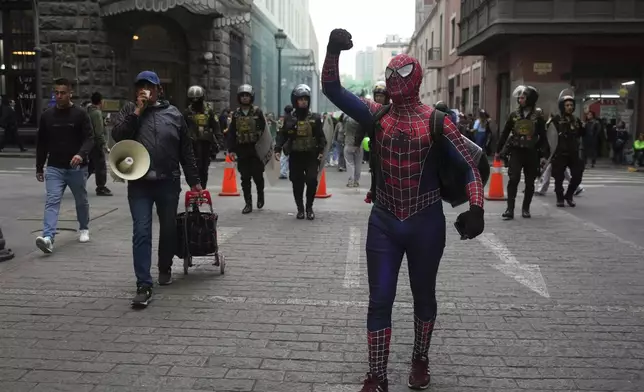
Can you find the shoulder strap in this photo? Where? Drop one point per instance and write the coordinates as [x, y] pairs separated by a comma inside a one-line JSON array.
[[436, 123], [384, 109]]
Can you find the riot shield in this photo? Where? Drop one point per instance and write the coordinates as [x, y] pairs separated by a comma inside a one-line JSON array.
[[552, 136], [264, 149], [328, 129]]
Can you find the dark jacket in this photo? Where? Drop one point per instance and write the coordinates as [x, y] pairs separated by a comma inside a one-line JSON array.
[[163, 132], [62, 134]]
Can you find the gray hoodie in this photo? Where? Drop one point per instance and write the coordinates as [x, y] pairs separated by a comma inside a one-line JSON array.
[[351, 129]]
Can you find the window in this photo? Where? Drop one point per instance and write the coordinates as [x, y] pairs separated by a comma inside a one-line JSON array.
[[17, 63], [452, 38], [465, 94], [476, 91]]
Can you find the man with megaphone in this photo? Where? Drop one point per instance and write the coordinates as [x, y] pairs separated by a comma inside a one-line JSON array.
[[154, 176]]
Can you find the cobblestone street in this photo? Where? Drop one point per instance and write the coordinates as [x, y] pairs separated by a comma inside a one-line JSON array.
[[553, 303]]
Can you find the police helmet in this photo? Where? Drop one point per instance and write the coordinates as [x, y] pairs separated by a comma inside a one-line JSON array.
[[245, 89], [381, 88], [196, 92], [301, 90], [530, 93], [566, 95]]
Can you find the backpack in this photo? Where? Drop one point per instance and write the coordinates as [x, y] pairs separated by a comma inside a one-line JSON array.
[[452, 178]]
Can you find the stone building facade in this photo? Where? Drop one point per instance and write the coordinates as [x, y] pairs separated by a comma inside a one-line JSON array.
[[100, 45]]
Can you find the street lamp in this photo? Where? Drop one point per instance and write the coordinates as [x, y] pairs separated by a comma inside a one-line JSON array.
[[280, 42]]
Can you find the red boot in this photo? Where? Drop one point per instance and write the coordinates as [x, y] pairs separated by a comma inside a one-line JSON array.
[[378, 342]]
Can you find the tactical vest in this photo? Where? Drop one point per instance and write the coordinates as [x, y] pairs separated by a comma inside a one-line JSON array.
[[569, 131], [246, 127], [302, 135], [524, 133]]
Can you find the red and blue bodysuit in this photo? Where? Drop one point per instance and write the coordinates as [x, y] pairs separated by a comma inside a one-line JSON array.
[[407, 217]]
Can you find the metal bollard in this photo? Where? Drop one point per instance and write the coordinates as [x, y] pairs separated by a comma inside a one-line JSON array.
[[5, 254]]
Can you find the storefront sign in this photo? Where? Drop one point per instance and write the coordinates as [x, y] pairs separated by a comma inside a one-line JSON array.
[[111, 105], [542, 68]]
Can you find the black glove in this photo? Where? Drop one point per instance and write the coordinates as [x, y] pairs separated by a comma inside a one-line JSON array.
[[339, 40], [470, 223]]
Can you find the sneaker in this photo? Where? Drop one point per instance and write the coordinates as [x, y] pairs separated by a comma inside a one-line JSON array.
[[419, 374], [579, 191], [142, 297], [45, 244], [165, 278], [371, 384], [84, 236], [103, 191]]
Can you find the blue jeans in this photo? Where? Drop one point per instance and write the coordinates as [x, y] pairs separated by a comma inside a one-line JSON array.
[[142, 195], [56, 181], [284, 165], [422, 239]]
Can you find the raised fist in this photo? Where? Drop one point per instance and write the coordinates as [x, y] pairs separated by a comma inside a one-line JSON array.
[[339, 40]]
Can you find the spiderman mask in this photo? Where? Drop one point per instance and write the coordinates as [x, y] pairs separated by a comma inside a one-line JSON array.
[[403, 77]]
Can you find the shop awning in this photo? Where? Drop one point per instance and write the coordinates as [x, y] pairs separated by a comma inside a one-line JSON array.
[[198, 7]]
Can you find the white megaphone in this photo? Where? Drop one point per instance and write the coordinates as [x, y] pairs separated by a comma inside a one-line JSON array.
[[129, 160]]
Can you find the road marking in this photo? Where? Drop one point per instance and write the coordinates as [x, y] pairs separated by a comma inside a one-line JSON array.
[[595, 228], [352, 266], [528, 275]]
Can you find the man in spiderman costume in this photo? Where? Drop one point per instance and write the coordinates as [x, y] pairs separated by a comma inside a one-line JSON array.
[[407, 217]]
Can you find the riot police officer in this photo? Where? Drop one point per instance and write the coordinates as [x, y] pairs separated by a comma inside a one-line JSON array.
[[566, 155], [302, 139], [246, 128], [204, 130], [380, 94], [526, 130]]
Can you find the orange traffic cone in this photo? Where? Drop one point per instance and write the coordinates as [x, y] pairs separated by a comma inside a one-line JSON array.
[[495, 191], [229, 183], [321, 192]]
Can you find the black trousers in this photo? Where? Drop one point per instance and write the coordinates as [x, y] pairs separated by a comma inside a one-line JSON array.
[[11, 135], [98, 166], [559, 165], [202, 150], [303, 170], [526, 160], [251, 167], [590, 152]]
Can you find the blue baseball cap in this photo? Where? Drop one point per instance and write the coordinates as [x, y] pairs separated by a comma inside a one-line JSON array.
[[148, 76]]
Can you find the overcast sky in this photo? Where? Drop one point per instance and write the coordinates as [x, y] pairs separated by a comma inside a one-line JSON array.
[[368, 21]]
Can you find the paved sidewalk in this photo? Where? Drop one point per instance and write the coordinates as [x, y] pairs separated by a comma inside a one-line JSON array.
[[519, 310]]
